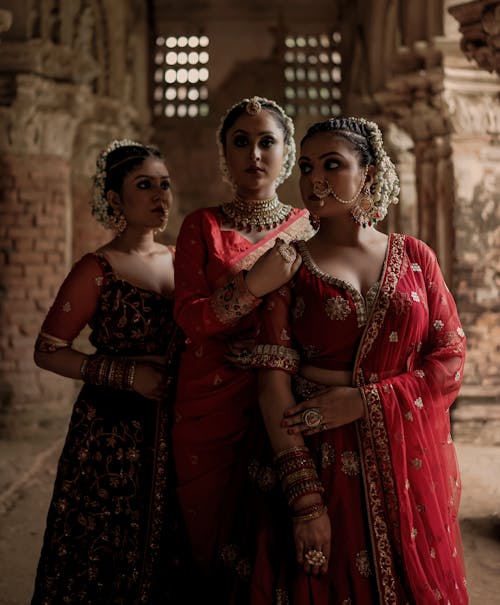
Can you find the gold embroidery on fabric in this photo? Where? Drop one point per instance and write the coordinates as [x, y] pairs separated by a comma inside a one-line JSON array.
[[350, 463], [379, 488], [298, 307], [275, 356], [231, 556], [357, 297], [281, 597], [363, 563], [393, 263], [284, 335], [45, 343], [310, 351], [233, 300], [263, 476], [327, 455], [371, 297], [337, 308], [66, 307]]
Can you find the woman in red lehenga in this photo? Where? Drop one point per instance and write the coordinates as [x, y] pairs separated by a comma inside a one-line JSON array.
[[219, 288], [107, 540], [362, 356]]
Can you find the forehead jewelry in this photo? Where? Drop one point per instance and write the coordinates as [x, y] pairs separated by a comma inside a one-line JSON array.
[[253, 106]]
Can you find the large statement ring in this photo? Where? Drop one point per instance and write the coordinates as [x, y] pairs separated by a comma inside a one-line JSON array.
[[312, 418], [287, 252], [314, 557]]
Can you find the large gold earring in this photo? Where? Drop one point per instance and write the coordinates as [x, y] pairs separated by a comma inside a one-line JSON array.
[[119, 223], [364, 212]]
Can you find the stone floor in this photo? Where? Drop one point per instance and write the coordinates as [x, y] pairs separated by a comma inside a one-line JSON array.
[[27, 472]]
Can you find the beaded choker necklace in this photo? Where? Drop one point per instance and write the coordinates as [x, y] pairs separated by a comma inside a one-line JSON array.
[[249, 215]]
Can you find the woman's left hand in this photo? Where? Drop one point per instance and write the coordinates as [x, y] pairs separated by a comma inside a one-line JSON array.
[[333, 407]]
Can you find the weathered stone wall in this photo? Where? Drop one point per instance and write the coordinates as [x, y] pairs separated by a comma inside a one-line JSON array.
[[73, 76], [34, 205]]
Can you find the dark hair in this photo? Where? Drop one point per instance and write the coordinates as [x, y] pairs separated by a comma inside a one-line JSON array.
[[238, 110], [350, 129], [123, 160]]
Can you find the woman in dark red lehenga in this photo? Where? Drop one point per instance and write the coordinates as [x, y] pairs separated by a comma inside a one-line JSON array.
[[362, 355], [227, 259], [108, 539]]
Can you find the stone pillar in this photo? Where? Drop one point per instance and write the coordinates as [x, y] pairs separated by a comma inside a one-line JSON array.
[[472, 99], [452, 112], [413, 102]]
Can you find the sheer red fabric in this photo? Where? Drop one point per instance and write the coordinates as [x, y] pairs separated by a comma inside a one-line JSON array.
[[77, 299], [407, 351], [215, 398]]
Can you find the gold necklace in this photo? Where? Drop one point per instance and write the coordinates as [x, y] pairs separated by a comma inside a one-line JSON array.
[[248, 215]]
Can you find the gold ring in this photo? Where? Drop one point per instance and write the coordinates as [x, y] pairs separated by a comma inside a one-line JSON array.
[[287, 252], [312, 418], [314, 557]]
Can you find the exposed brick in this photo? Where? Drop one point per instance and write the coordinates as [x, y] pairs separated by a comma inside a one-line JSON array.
[[27, 258]]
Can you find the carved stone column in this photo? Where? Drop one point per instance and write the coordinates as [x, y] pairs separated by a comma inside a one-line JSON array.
[[412, 101], [472, 97], [480, 29]]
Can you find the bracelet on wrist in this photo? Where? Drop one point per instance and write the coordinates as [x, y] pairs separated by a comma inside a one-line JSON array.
[[107, 371]]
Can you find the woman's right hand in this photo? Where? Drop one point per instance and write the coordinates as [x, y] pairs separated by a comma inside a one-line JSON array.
[[314, 534], [150, 380], [273, 269]]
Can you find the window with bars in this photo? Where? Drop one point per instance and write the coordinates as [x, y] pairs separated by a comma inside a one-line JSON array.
[[313, 74], [180, 76]]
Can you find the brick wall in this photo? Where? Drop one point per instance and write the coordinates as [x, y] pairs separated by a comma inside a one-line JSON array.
[[34, 196]]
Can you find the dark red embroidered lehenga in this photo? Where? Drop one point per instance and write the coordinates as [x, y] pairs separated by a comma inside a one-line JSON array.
[[391, 480], [108, 539]]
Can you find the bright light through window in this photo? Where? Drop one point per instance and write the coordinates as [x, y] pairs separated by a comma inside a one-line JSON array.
[[313, 74], [180, 76]]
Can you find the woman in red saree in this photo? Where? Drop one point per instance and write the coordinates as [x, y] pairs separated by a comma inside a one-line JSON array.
[[108, 539], [361, 357], [220, 285]]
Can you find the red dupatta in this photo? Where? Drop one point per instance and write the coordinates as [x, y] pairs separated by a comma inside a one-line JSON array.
[[409, 367]]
